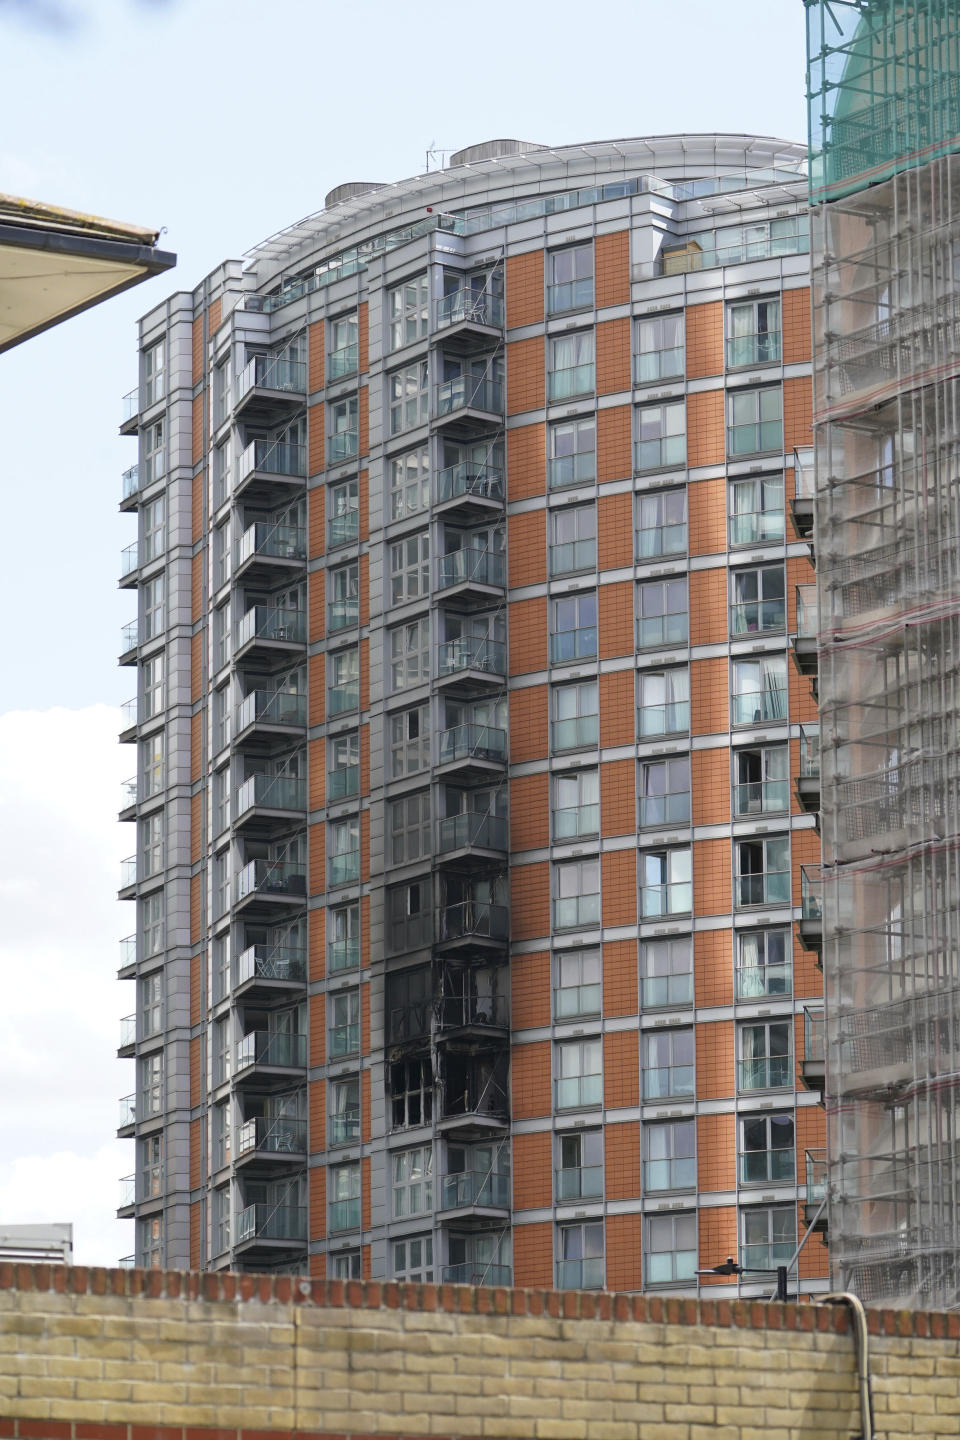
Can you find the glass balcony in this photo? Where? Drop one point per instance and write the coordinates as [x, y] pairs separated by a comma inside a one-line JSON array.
[[671, 899], [343, 954], [343, 1040], [477, 307], [273, 1222], [816, 1174], [341, 698], [343, 529], [128, 793], [472, 563], [273, 457], [665, 719], [766, 1257], [129, 482], [128, 951], [130, 406], [271, 877], [128, 1111], [757, 527], [343, 613], [768, 1167], [272, 707], [342, 362], [127, 1262], [654, 365], [128, 713], [758, 796], [272, 372], [754, 438], [263, 1047], [344, 1127], [811, 886], [809, 752], [576, 912], [343, 782], [570, 295], [680, 1174], [668, 453], [657, 630], [579, 469], [128, 1191], [129, 559], [343, 869], [281, 962], [807, 612], [581, 1183], [344, 1214], [573, 555], [813, 1035], [273, 792], [667, 1080], [475, 1187], [772, 1072], [578, 733], [128, 1031], [128, 872], [580, 1274], [472, 918], [477, 1272], [661, 992], [756, 982], [473, 829], [129, 637], [262, 622], [342, 446], [766, 887], [472, 652], [473, 742], [576, 820], [659, 540], [762, 348], [758, 707], [470, 392], [573, 380], [274, 1136], [483, 481], [576, 1091], [278, 542], [758, 616], [672, 809]]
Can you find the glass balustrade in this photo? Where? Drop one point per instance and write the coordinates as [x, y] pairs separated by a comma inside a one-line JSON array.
[[261, 962], [474, 828], [472, 742], [470, 392], [273, 792], [472, 653], [475, 1187], [272, 1222], [466, 478], [484, 567], [264, 1047]]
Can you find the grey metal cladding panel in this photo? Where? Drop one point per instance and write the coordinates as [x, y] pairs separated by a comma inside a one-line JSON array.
[[179, 493]]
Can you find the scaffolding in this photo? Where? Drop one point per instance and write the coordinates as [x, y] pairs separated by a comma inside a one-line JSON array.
[[885, 184]]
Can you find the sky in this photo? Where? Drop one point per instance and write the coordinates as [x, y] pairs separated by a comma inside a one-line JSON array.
[[223, 121]]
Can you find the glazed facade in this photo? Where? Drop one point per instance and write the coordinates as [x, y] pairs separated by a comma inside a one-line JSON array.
[[475, 732]]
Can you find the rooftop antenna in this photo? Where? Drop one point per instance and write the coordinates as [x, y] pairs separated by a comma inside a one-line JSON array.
[[437, 155]]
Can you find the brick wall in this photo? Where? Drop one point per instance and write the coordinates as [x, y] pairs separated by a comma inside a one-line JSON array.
[[136, 1355]]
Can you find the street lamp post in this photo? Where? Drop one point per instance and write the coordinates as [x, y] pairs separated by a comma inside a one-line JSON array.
[[730, 1267]]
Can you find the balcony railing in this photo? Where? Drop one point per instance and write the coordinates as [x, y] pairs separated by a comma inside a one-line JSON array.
[[571, 1001], [573, 555], [671, 809], [470, 392], [811, 892], [816, 1173], [128, 1030], [128, 871], [343, 613], [343, 1040], [568, 646], [758, 616], [460, 1012], [344, 1127], [263, 622], [276, 1137], [679, 1174], [474, 918], [755, 982], [804, 475], [128, 713], [475, 829], [759, 707], [466, 478], [665, 719], [477, 1272], [471, 652], [813, 1034], [583, 1182], [771, 1072], [765, 887], [343, 869], [473, 742], [128, 951], [760, 348], [129, 636], [341, 698], [767, 1257], [657, 630], [343, 361], [274, 792], [129, 406], [580, 1274], [768, 1167], [475, 1187], [754, 438], [273, 457], [128, 793], [280, 542], [272, 372], [570, 295], [756, 527], [577, 733], [263, 1047], [809, 753], [129, 559], [344, 528], [576, 912], [272, 707], [578, 469], [755, 797], [344, 1214], [343, 782], [654, 365], [273, 1222], [572, 821], [128, 1111], [271, 877], [572, 380], [343, 954], [343, 445], [473, 562], [128, 1191], [130, 482], [667, 453], [658, 540], [807, 612], [478, 307], [261, 962]]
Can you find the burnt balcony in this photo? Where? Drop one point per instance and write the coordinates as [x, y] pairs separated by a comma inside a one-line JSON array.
[[270, 470], [813, 1066], [473, 1095], [469, 751], [270, 386], [267, 633], [270, 972], [473, 834], [808, 781], [801, 506], [409, 1023], [804, 641], [811, 908], [472, 663], [268, 716], [270, 1231], [267, 552], [268, 802], [473, 925], [473, 573], [475, 1190], [272, 1143], [264, 1058], [470, 490], [271, 884], [477, 1018], [469, 403]]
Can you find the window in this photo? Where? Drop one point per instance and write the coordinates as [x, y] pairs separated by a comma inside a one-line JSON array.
[[343, 1030], [344, 607], [344, 1111], [409, 742], [670, 1252], [151, 1167], [221, 718], [572, 370], [343, 347], [576, 804], [409, 828], [344, 1197], [151, 1004], [663, 613], [767, 1154], [343, 946], [221, 1220], [408, 397], [151, 846], [661, 436], [346, 1265], [575, 721], [343, 683], [154, 374], [221, 393], [151, 1086], [664, 702], [222, 1052], [573, 539], [580, 1266], [666, 968], [344, 862], [753, 333], [580, 1172], [411, 1093], [665, 883], [344, 430], [152, 532], [570, 284], [757, 602], [669, 1156], [151, 687], [754, 421], [409, 647], [573, 628], [408, 312], [409, 1004], [764, 964], [761, 781], [409, 479], [765, 1056], [343, 773], [221, 967], [579, 984], [665, 792], [151, 922], [409, 915], [577, 900], [222, 1135], [150, 1243], [343, 502], [154, 455], [763, 871], [756, 510], [152, 766], [579, 1074], [221, 636], [660, 349], [759, 690], [413, 1259], [220, 467], [573, 453], [768, 1236], [661, 524], [667, 1064], [412, 1181], [410, 568], [478, 1259]]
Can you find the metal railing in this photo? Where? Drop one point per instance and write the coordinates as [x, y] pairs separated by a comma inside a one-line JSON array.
[[472, 742], [130, 482], [474, 918], [667, 453], [275, 792], [478, 307], [755, 797], [343, 782], [263, 622], [472, 562], [467, 478], [809, 753], [571, 380], [272, 707], [343, 361], [768, 1167], [575, 733], [570, 295], [262, 962], [281, 542], [272, 1222], [470, 392], [275, 1136], [583, 1182], [264, 1047], [272, 372], [273, 457], [578, 469], [475, 1187], [343, 954], [759, 348], [771, 1072], [473, 828], [271, 877], [471, 652]]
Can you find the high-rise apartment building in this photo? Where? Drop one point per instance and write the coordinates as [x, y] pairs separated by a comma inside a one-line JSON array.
[[885, 166], [476, 740]]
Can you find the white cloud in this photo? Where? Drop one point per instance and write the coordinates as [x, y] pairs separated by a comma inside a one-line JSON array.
[[60, 774]]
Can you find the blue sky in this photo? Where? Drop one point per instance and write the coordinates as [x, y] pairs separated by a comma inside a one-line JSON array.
[[223, 121]]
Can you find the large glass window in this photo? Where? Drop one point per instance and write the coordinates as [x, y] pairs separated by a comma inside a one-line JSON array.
[[344, 860], [154, 451], [757, 600], [409, 916], [409, 828], [661, 524], [154, 374], [344, 430], [764, 964], [576, 804], [573, 453], [409, 649], [570, 284], [343, 1023], [411, 1093], [661, 436], [761, 780], [151, 846], [408, 397], [759, 690], [408, 312], [409, 742], [756, 510], [151, 1086], [754, 421], [343, 943], [577, 899], [768, 1236], [666, 886], [669, 1156], [579, 985], [409, 481], [767, 1153], [575, 723], [664, 619], [343, 525], [579, 1073], [666, 969], [152, 766], [581, 1266], [344, 607], [410, 568], [573, 539], [763, 871], [664, 702], [665, 792], [766, 1061], [344, 1189], [580, 1171], [343, 681], [572, 368], [345, 1265], [152, 530], [342, 359], [151, 923], [573, 627], [753, 333], [667, 1064], [413, 1259], [412, 1181], [659, 349], [670, 1252], [151, 1004], [343, 766], [151, 687]]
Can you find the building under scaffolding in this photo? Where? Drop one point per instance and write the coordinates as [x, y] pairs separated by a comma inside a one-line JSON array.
[[884, 89]]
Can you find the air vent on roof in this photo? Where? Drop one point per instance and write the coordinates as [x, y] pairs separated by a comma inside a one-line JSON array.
[[350, 190], [492, 150]]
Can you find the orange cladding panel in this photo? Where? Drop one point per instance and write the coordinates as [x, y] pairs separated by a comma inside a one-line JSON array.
[[529, 901], [526, 461], [707, 501], [527, 548], [710, 786], [797, 412], [716, 1152], [530, 811], [709, 624], [528, 724], [531, 1080], [712, 891], [612, 262], [618, 802], [713, 967], [532, 1170], [533, 1255], [620, 988], [315, 356], [615, 531], [613, 356], [621, 1160], [618, 707], [619, 886], [524, 288], [709, 696], [525, 375], [704, 324], [614, 430], [528, 635], [706, 441], [530, 990], [796, 326], [621, 1069], [716, 1079]]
